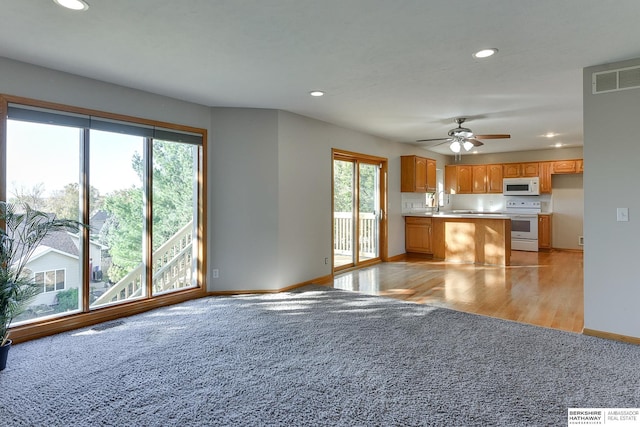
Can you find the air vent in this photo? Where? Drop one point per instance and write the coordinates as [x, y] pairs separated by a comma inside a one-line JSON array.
[[615, 80]]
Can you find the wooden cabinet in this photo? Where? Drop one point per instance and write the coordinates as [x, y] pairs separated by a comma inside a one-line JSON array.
[[529, 169], [465, 179], [517, 170], [458, 179], [545, 177], [479, 179], [450, 179], [432, 184], [418, 174], [494, 178], [544, 231], [417, 235], [564, 166], [511, 170]]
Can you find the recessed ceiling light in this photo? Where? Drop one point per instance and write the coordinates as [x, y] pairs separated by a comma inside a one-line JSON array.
[[73, 4], [550, 134], [558, 144], [485, 53], [316, 93]]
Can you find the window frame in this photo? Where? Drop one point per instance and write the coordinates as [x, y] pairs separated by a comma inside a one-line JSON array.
[[55, 277], [91, 315]]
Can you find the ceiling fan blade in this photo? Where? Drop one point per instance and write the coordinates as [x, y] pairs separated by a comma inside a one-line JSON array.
[[493, 136]]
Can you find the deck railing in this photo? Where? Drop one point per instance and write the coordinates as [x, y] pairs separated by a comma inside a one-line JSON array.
[[343, 234], [172, 269]]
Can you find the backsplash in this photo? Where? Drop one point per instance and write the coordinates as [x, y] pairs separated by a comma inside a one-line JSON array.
[[421, 202]]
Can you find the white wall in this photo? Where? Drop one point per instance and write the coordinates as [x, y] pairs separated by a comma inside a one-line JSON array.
[[611, 154]]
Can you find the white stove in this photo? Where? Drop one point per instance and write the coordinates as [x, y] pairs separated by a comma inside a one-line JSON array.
[[524, 223]]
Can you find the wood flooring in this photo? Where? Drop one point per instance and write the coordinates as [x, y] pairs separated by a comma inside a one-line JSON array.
[[540, 288]]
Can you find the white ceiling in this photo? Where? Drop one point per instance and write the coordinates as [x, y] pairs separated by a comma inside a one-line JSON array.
[[398, 69]]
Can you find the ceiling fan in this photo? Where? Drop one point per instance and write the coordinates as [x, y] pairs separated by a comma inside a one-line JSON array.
[[463, 137]]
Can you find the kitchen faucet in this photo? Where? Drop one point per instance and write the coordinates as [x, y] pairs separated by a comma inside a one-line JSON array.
[[437, 199]]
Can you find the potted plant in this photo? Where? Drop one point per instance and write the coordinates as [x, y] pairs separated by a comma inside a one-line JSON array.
[[22, 229]]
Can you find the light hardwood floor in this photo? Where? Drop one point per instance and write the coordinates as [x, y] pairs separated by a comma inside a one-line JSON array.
[[539, 288]]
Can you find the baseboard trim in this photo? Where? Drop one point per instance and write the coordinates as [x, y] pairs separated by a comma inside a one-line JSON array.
[[322, 280], [611, 336], [396, 258]]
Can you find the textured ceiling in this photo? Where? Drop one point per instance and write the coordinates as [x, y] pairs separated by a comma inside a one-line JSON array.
[[401, 70]]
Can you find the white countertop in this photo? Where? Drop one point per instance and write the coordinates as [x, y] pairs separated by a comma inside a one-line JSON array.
[[459, 214]]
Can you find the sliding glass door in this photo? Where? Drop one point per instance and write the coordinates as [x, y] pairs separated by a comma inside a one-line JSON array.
[[358, 209]]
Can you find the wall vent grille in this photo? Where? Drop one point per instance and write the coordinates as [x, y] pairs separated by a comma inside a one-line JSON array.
[[615, 80]]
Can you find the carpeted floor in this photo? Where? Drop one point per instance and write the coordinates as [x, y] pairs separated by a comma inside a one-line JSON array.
[[313, 357]]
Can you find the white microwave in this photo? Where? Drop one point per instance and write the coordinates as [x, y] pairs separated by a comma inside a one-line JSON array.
[[521, 186]]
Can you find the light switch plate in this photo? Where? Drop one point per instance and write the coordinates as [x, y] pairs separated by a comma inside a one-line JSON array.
[[622, 214]]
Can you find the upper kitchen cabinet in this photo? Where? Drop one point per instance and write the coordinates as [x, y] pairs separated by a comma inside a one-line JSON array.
[[458, 179], [494, 178], [517, 170], [479, 179], [545, 177], [564, 166], [418, 174], [580, 166]]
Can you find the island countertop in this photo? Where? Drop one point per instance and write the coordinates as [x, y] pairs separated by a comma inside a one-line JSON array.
[[470, 237]]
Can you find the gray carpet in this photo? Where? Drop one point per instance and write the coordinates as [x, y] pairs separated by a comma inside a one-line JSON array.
[[313, 357]]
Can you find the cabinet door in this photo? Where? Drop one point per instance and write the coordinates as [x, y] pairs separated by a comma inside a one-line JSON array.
[[479, 174], [529, 169], [417, 235], [494, 178], [465, 179], [451, 179], [431, 176], [413, 174], [544, 231], [421, 175], [511, 170], [545, 177], [564, 166]]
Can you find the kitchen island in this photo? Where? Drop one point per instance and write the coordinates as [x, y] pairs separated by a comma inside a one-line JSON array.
[[478, 238]]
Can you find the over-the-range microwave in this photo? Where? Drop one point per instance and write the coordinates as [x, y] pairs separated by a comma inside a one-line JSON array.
[[521, 186]]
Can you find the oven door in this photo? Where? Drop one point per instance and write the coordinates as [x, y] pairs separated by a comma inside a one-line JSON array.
[[524, 227]]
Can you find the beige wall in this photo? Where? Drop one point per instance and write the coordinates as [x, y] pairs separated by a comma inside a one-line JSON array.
[[520, 156], [568, 211]]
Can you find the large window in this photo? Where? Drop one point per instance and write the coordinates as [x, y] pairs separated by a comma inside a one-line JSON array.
[[138, 184]]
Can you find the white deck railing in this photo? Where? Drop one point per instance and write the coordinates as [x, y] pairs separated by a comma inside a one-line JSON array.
[[172, 269], [343, 234]]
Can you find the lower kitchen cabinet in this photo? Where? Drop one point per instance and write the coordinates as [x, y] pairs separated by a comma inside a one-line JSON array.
[[417, 235], [544, 231]]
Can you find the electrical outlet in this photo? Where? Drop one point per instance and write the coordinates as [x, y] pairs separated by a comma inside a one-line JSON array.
[[580, 240], [326, 261], [215, 273]]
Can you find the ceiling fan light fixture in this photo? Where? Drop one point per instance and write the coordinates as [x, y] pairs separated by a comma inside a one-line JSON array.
[[468, 145], [78, 5], [455, 146], [485, 53]]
